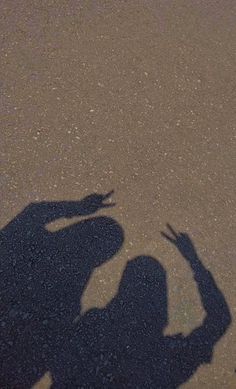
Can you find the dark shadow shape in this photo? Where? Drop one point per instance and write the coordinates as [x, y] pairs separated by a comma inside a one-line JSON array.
[[121, 346], [43, 276]]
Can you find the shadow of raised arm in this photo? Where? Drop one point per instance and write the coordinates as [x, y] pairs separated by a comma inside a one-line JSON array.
[[218, 318], [42, 213]]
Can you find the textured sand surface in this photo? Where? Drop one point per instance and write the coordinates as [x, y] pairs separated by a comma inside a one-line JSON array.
[[137, 97]]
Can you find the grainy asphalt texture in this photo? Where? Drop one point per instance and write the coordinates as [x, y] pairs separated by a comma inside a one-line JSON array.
[[138, 97]]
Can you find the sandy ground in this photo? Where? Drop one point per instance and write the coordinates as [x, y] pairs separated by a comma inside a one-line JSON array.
[[137, 97]]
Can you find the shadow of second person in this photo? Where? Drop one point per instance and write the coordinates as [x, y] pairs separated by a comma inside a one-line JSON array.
[[124, 346]]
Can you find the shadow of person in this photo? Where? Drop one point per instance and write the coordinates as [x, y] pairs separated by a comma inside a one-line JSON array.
[[43, 276], [123, 345]]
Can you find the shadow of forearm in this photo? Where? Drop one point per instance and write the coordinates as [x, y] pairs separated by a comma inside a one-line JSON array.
[[218, 317]]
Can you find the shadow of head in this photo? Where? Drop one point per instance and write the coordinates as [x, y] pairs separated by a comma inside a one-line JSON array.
[[92, 241], [143, 292]]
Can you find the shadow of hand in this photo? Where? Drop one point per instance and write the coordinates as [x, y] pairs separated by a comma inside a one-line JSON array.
[[182, 242], [94, 202]]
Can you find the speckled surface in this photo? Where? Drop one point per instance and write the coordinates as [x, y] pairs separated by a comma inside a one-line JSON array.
[[137, 97]]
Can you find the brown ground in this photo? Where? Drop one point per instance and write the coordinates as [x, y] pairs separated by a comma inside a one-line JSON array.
[[139, 97]]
